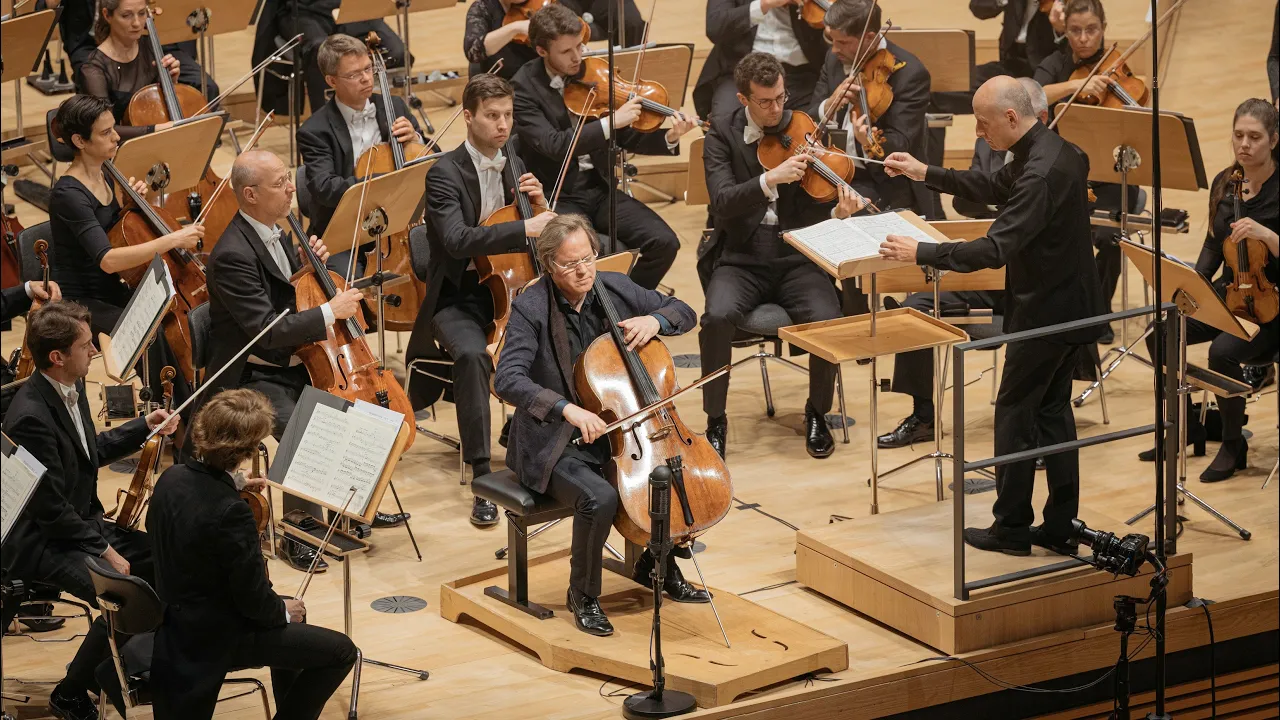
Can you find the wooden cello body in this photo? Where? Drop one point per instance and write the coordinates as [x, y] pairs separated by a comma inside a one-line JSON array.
[[507, 274]]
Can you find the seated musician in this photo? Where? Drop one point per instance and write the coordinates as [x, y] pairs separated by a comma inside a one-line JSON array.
[[913, 371], [15, 301], [596, 14], [315, 20], [1027, 34], [751, 209], [221, 612], [122, 63], [774, 27], [488, 39], [63, 522], [249, 271], [546, 129], [561, 312], [1254, 141], [463, 188], [341, 130], [903, 124]]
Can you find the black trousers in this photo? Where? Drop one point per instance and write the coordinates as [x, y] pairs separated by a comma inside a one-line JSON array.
[[460, 327], [1033, 409], [283, 387], [315, 29], [913, 371], [580, 485], [800, 288], [798, 79], [639, 228]]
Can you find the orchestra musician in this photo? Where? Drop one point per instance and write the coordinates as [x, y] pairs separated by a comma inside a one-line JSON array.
[[63, 522], [751, 264], [551, 323], [737, 28], [341, 130], [463, 188], [1254, 141], [913, 371], [487, 39], [1027, 35], [1041, 237], [546, 130], [15, 301], [221, 612], [903, 124]]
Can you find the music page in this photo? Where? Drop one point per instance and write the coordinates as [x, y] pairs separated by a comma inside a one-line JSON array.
[[19, 475]]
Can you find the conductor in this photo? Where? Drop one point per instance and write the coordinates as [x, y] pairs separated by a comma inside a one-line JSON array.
[[1041, 237]]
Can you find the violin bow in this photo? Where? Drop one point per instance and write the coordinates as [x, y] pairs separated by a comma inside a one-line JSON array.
[[861, 57], [256, 69], [431, 142], [333, 525], [257, 135], [577, 133], [644, 43], [1138, 43], [355, 231], [1072, 100]]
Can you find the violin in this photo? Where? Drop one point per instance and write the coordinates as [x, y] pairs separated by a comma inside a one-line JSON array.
[[521, 11], [1124, 89], [814, 13], [1250, 295], [875, 96], [10, 266], [259, 505], [143, 222], [580, 100], [796, 134], [132, 502], [26, 362], [508, 273], [342, 363], [166, 101], [615, 382]]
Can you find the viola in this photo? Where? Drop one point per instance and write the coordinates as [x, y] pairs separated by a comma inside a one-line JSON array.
[[814, 13], [580, 100], [615, 382], [342, 363], [520, 11], [1124, 89], [143, 222], [829, 169], [875, 96], [1250, 295], [26, 362], [508, 273], [132, 502], [165, 101]]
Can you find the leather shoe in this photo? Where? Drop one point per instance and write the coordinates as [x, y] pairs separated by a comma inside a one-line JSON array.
[[1196, 436], [33, 617], [484, 513], [587, 614], [992, 540], [673, 582], [716, 430], [1108, 336], [1040, 538], [1232, 456], [817, 436], [390, 520], [71, 705], [909, 432], [299, 555]]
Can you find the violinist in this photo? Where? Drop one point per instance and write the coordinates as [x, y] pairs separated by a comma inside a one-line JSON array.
[[903, 124], [221, 612], [63, 522], [752, 265], [249, 271], [15, 301], [1254, 141], [737, 28], [1030, 31], [121, 65], [339, 132], [488, 39], [561, 314], [595, 13], [546, 130], [463, 188]]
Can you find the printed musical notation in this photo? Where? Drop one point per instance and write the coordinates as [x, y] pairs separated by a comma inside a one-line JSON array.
[[341, 449]]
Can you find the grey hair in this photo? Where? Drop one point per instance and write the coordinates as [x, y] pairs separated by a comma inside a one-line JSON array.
[[555, 233], [1013, 96], [246, 171], [1039, 101]]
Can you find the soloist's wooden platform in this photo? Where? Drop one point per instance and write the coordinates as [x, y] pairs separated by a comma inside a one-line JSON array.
[[767, 647], [897, 569]]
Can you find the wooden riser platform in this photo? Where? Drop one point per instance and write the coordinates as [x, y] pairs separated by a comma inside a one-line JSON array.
[[897, 569], [767, 647]]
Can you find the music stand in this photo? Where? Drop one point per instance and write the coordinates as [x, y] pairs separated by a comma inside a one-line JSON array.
[[143, 157], [23, 40], [939, 50], [1195, 297], [1117, 142], [184, 20]]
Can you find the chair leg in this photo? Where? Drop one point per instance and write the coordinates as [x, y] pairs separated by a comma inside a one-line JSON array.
[[1102, 395], [844, 418], [258, 688], [768, 391], [995, 374]]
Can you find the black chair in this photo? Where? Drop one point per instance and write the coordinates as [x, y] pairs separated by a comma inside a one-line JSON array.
[[31, 270], [36, 612], [201, 325], [131, 608], [57, 149]]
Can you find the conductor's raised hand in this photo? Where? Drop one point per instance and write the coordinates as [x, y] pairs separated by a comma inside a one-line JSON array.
[[899, 247], [317, 247], [901, 163], [403, 130], [791, 170], [346, 303], [587, 422], [637, 331]]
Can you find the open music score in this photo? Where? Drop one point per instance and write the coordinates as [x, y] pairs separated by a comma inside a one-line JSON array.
[[841, 246], [20, 473], [141, 318]]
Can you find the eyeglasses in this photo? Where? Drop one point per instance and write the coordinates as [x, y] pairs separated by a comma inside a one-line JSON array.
[[573, 265], [353, 76], [1090, 31], [778, 102], [278, 184]]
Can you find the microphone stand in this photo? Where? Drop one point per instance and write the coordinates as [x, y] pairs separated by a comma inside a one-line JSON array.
[[659, 702]]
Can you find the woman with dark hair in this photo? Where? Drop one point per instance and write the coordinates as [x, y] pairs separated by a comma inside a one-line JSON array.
[[1254, 140]]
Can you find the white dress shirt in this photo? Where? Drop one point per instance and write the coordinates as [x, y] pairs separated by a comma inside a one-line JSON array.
[[584, 161], [270, 237], [362, 126], [751, 135], [774, 35], [489, 171], [71, 398]]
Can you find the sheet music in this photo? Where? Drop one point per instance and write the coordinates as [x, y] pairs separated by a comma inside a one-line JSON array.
[[835, 241], [19, 475], [879, 227], [319, 454], [369, 443], [136, 322], [338, 450]]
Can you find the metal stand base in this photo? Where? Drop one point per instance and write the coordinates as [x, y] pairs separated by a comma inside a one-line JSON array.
[[361, 660], [1184, 493], [644, 705]]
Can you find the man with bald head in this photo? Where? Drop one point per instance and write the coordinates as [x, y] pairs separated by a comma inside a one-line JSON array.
[[1041, 237], [248, 278]]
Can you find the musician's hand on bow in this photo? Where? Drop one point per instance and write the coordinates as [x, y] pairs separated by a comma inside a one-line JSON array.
[[901, 163], [37, 292], [680, 124], [1058, 17], [186, 237], [1250, 229], [317, 247], [346, 304], [163, 419], [255, 484], [403, 130], [627, 114], [899, 247], [172, 65], [296, 610], [1096, 87], [850, 202], [845, 93], [791, 170], [637, 331], [587, 422]]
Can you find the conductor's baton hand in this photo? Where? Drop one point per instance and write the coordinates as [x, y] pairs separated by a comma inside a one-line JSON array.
[[901, 163]]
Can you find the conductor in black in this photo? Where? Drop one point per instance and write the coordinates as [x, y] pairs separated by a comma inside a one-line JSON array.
[[1041, 237]]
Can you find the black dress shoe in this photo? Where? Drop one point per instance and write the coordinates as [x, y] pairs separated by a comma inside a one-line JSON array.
[[817, 436], [484, 513], [1232, 456], [71, 705], [33, 617], [910, 431], [390, 520], [299, 555], [1259, 376], [1108, 336], [1196, 435], [673, 582], [587, 614], [992, 540], [1062, 546], [716, 429]]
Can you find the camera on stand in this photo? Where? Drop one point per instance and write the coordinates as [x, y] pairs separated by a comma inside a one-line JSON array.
[[1118, 556]]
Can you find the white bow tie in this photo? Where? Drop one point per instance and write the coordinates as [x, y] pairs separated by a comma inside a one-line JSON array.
[[751, 134], [557, 83], [275, 235], [369, 112], [497, 164], [71, 397]]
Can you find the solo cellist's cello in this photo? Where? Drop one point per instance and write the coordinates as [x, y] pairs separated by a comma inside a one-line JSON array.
[[506, 274]]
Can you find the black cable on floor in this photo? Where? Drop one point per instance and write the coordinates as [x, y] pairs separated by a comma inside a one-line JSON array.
[[756, 507]]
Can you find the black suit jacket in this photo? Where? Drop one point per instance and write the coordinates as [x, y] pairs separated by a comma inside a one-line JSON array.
[[1041, 41], [14, 302], [325, 145], [535, 370], [211, 576], [246, 292], [64, 513], [732, 35], [903, 124], [545, 129]]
